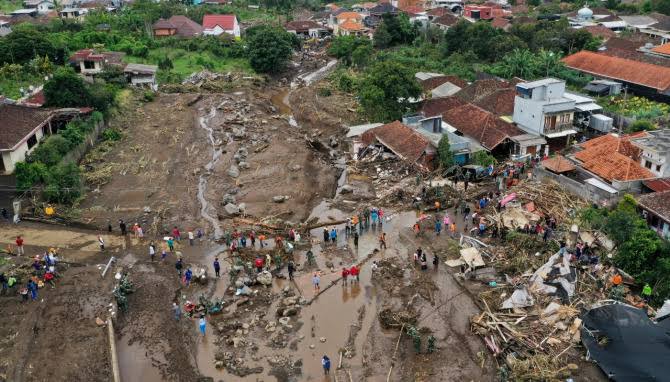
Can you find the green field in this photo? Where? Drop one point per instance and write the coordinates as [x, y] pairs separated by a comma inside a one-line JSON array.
[[184, 62], [8, 6], [9, 87]]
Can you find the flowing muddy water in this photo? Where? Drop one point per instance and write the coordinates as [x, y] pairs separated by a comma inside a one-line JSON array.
[[202, 182]]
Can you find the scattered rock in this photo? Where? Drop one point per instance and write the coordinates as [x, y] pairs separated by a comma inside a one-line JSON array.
[[290, 312], [233, 172], [346, 189], [147, 209], [219, 364], [244, 165], [322, 339], [232, 209], [264, 278], [279, 198], [228, 199], [312, 346]]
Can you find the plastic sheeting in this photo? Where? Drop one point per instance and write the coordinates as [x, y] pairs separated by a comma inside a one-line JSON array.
[[626, 344], [519, 299], [555, 273]]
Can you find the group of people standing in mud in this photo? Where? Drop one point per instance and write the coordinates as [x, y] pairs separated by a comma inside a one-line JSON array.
[[43, 272]]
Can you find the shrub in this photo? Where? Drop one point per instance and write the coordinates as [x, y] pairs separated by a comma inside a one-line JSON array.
[[149, 96], [346, 83], [112, 134], [29, 174], [63, 184], [324, 92], [50, 151]]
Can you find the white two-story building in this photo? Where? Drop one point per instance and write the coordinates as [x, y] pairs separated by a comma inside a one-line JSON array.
[[541, 108]]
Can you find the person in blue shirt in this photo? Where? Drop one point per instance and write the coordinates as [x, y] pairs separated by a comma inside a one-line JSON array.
[[188, 276], [217, 267], [325, 362], [333, 235], [203, 325], [32, 288]]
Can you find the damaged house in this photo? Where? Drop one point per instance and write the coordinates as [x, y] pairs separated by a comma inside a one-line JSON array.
[[403, 141]]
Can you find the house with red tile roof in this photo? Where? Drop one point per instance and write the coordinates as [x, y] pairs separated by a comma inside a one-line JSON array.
[[493, 133], [614, 158], [217, 25], [403, 141], [177, 25], [90, 61], [641, 78]]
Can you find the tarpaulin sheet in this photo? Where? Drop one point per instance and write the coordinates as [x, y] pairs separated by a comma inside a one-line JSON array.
[[626, 344]]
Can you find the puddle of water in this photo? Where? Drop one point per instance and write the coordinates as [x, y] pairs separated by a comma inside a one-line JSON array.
[[280, 101], [134, 363]]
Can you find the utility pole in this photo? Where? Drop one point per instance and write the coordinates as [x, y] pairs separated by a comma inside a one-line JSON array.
[[625, 98]]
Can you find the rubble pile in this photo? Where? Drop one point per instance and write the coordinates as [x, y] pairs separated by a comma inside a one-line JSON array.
[[548, 199], [212, 82], [390, 318]]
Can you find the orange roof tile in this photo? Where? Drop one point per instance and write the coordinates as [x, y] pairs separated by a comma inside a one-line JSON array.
[[500, 22], [612, 157], [399, 138], [640, 73], [481, 125], [351, 26], [600, 31], [349, 15], [558, 164], [662, 49]]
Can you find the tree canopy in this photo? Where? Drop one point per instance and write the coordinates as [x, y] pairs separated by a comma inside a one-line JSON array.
[[269, 48], [444, 153], [386, 90]]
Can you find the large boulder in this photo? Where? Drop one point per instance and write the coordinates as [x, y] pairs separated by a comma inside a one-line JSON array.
[[232, 209], [233, 171], [264, 278]]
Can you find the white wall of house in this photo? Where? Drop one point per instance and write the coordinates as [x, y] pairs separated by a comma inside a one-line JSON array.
[[11, 158], [655, 162], [538, 107], [97, 67], [217, 30], [44, 7]]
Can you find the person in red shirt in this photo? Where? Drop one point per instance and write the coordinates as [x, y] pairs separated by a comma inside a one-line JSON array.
[[19, 245], [345, 274], [176, 233], [259, 264], [354, 272]]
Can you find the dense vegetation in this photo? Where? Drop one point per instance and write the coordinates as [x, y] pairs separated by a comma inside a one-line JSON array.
[[640, 252]]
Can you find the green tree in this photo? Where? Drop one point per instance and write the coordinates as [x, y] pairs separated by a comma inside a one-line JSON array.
[[26, 43], [343, 47], [483, 158], [444, 152], [362, 55], [641, 125], [386, 90], [66, 89], [382, 37], [63, 184], [29, 174], [662, 6], [269, 49]]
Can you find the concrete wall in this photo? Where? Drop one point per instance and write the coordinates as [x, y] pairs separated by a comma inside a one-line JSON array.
[[75, 155], [528, 114], [585, 191]]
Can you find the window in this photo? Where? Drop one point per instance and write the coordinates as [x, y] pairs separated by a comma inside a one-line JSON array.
[[89, 65], [32, 141], [647, 164], [658, 168]]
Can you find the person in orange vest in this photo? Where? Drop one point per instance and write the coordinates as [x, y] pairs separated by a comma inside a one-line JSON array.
[[617, 279]]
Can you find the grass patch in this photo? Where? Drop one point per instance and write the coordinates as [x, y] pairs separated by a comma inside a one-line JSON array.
[[9, 87], [184, 63], [8, 6]]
